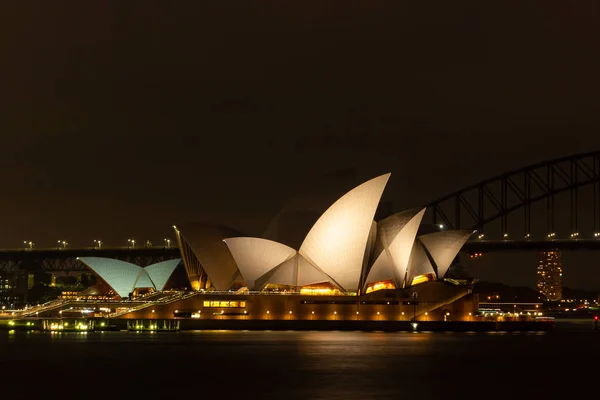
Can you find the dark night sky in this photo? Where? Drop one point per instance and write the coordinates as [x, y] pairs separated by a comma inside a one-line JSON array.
[[118, 121]]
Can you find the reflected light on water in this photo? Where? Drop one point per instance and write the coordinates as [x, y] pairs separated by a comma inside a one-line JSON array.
[[301, 365]]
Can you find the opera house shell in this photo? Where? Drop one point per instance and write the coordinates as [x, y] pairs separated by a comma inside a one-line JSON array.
[[345, 249], [333, 259], [123, 279]]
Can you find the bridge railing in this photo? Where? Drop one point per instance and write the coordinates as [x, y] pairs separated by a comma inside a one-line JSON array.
[[171, 298], [75, 249], [48, 306]]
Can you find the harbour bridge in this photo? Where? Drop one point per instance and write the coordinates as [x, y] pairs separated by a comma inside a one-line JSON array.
[[66, 259], [549, 205]]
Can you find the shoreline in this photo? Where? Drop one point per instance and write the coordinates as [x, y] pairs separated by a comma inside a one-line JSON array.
[[305, 325]]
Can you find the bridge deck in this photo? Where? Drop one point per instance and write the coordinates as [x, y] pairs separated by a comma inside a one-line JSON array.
[[484, 246]]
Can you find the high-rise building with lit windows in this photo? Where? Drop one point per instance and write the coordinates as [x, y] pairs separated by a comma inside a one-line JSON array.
[[549, 276]]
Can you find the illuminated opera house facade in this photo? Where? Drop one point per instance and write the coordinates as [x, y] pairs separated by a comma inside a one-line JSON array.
[[321, 258]]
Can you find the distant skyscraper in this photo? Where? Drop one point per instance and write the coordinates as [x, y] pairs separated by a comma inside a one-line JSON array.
[[549, 276]]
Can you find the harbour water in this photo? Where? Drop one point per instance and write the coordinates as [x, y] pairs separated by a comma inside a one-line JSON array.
[[298, 365]]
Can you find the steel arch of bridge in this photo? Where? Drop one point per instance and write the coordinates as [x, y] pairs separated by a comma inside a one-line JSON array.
[[493, 199]]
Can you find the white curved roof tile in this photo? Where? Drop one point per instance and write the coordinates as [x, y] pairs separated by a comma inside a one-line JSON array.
[[160, 272], [119, 275], [293, 222], [382, 269], [401, 246], [418, 263], [444, 246], [285, 273], [395, 237], [369, 251], [337, 241], [296, 271], [143, 281], [255, 256], [309, 274]]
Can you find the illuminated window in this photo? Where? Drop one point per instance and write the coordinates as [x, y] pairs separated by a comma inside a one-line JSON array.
[[422, 279], [375, 286], [224, 304], [320, 289]]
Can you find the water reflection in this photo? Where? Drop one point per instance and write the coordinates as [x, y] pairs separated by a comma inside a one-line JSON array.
[[297, 365]]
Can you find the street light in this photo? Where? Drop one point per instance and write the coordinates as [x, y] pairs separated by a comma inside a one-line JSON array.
[[62, 243], [167, 242], [98, 243], [131, 243], [29, 243]]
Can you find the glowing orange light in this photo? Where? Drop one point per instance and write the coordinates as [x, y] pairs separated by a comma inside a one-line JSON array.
[[375, 286], [421, 279]]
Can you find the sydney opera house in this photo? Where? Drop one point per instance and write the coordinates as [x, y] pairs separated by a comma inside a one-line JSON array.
[[325, 256]]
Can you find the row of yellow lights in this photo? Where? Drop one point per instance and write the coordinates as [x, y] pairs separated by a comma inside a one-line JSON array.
[[97, 242], [515, 313], [312, 312], [290, 312], [12, 323], [168, 241], [139, 327], [59, 327], [550, 235]]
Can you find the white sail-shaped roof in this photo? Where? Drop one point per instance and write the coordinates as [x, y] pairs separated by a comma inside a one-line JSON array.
[[309, 274], [291, 225], [255, 256], [418, 264], [285, 273], [369, 251], [119, 275], [336, 243], [401, 246], [160, 272], [395, 237], [444, 246], [296, 271], [143, 280], [382, 269]]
